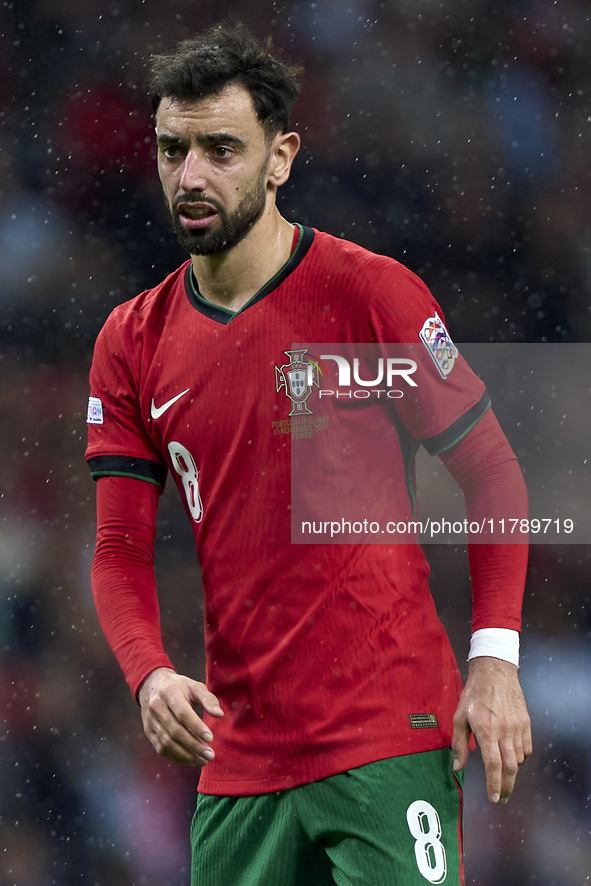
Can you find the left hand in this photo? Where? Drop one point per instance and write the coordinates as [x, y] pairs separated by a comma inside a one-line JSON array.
[[493, 708]]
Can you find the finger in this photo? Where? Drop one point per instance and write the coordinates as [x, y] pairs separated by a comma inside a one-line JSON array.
[[516, 746], [208, 701], [493, 767], [460, 744], [177, 723], [174, 732], [527, 740], [186, 717], [510, 761], [191, 733], [212, 706], [178, 751], [174, 700], [523, 743], [176, 708]]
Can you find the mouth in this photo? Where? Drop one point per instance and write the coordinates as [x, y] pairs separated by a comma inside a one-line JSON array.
[[194, 216]]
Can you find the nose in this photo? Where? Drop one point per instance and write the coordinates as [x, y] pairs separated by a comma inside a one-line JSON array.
[[193, 176]]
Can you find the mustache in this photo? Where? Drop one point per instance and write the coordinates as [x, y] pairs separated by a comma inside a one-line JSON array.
[[197, 197]]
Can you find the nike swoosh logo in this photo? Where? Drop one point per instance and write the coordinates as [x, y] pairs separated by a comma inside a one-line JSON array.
[[157, 411]]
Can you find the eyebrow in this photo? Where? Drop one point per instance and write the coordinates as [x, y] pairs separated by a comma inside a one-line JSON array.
[[210, 138]]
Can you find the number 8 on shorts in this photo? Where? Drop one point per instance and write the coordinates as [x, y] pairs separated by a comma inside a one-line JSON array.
[[424, 825]]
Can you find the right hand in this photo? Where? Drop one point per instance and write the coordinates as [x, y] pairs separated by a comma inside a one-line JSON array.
[[167, 701]]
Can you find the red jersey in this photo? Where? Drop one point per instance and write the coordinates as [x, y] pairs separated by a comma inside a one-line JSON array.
[[324, 657]]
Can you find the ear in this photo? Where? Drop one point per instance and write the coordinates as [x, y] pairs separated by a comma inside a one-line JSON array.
[[284, 147]]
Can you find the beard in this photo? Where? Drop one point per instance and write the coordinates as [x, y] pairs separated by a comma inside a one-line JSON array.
[[231, 228]]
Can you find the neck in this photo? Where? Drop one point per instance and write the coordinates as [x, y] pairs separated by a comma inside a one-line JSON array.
[[232, 278]]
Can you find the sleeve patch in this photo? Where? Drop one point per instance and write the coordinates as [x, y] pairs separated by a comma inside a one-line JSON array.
[[94, 413], [438, 342]]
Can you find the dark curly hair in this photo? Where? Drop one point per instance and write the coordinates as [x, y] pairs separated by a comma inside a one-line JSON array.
[[204, 65]]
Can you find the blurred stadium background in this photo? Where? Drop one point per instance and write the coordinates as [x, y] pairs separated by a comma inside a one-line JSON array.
[[454, 135]]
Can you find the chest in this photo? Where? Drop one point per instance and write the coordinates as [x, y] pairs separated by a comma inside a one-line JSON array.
[[211, 386]]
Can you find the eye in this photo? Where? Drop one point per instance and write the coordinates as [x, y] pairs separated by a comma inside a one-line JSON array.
[[222, 151], [170, 151]]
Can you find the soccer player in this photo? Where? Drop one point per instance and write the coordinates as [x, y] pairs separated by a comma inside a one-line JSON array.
[[335, 728]]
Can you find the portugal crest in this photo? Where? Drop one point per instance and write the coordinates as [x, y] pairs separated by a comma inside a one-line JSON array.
[[297, 377]]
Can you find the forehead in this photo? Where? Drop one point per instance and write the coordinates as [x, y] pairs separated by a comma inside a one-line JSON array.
[[231, 110]]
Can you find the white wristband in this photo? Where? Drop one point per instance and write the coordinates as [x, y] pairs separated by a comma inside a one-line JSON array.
[[496, 642]]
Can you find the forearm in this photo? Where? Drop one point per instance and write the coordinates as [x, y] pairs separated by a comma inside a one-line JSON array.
[[123, 582], [487, 471]]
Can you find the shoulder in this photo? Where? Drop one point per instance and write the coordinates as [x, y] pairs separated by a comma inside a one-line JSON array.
[[133, 329], [349, 257], [382, 282], [146, 310]]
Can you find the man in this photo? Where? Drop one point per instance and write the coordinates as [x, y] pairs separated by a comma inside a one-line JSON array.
[[331, 688]]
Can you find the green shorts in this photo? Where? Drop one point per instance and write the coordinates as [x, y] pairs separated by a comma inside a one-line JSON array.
[[396, 822]]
